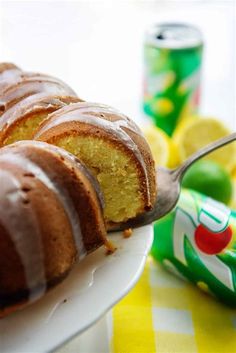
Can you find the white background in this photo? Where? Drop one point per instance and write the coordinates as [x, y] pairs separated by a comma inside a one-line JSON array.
[[97, 47]]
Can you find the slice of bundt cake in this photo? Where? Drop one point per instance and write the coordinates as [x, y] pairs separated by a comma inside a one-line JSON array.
[[20, 121], [50, 215], [113, 148]]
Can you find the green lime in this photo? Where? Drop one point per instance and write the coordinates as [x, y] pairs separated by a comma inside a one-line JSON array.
[[210, 179]]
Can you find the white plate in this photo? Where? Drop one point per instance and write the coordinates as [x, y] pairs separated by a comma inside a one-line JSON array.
[[93, 287]]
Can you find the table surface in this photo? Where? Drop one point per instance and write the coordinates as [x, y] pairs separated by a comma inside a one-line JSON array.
[[97, 48]]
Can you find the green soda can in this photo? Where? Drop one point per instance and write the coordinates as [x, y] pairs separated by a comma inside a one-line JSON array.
[[172, 64], [198, 242]]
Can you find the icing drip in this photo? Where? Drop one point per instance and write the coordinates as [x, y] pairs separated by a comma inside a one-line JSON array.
[[83, 112], [21, 224], [60, 191]]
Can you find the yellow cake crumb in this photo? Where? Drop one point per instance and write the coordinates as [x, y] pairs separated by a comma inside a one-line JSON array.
[[110, 247], [127, 233], [25, 129], [118, 179]]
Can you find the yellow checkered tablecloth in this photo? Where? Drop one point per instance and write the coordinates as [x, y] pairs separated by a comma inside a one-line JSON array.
[[165, 314]]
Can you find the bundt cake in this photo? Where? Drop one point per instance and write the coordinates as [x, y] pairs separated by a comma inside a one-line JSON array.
[[50, 215], [26, 98], [115, 151]]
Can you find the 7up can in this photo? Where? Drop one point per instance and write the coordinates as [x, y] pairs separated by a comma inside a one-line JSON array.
[[172, 64], [198, 241]]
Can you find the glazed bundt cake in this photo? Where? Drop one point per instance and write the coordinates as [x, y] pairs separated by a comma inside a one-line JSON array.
[[50, 215], [26, 99], [115, 151]]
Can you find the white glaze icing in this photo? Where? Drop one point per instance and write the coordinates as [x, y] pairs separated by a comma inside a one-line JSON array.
[[25, 88], [16, 78], [59, 189], [22, 226]]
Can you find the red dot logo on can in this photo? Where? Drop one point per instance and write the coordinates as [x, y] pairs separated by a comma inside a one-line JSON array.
[[212, 243], [206, 225]]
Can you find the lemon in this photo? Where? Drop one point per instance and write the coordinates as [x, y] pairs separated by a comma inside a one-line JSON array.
[[210, 179], [183, 121], [193, 134], [174, 160], [165, 152]]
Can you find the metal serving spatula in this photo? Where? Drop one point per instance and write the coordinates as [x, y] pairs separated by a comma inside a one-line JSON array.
[[168, 186]]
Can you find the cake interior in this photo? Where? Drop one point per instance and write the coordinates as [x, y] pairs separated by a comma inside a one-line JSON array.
[[24, 129], [115, 171]]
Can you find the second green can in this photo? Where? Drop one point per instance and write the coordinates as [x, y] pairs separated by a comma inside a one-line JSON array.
[[172, 65]]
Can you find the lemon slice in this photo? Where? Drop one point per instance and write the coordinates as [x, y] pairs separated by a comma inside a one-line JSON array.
[[197, 133], [164, 150]]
